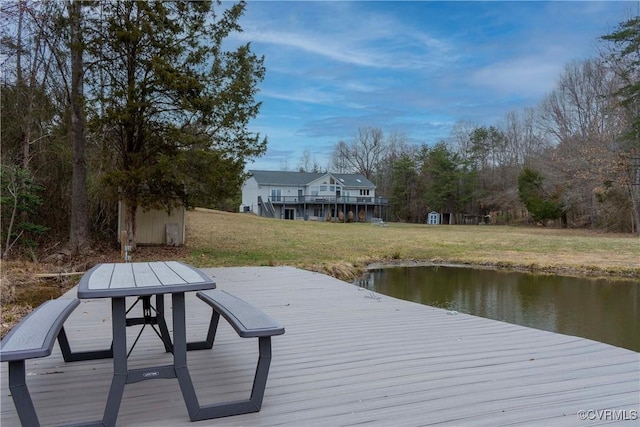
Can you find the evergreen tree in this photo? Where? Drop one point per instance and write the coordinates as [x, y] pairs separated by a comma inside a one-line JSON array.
[[624, 60], [170, 105], [541, 205], [403, 186], [448, 183]]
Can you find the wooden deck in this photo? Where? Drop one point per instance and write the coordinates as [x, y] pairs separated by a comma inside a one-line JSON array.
[[348, 357]]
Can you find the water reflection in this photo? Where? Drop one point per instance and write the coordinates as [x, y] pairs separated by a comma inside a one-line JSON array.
[[603, 310]]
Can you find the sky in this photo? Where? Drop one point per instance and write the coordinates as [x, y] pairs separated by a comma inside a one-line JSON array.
[[415, 68]]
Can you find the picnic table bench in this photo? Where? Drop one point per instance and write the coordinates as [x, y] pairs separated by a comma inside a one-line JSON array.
[[32, 338], [378, 221], [249, 322]]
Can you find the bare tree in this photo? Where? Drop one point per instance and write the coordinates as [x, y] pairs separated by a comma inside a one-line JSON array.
[[79, 224], [398, 149], [580, 118], [308, 162], [581, 103], [523, 139], [31, 70], [33, 112], [339, 163], [460, 141], [363, 154]]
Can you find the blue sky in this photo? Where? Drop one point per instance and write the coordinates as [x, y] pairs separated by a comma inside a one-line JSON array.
[[412, 67]]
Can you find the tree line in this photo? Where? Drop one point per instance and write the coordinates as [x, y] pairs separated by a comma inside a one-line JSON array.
[[144, 103], [573, 159], [120, 101]]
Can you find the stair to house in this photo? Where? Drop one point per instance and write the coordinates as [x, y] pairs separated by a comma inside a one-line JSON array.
[[268, 210]]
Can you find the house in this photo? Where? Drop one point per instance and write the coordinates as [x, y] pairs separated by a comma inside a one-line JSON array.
[[312, 196]]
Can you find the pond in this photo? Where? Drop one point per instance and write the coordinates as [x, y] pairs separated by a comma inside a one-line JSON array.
[[602, 310]]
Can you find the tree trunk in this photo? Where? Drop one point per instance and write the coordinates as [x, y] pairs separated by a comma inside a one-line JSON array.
[[13, 191], [79, 226], [131, 208], [26, 125]]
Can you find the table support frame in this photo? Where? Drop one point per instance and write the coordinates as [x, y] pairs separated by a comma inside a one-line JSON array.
[[123, 376]]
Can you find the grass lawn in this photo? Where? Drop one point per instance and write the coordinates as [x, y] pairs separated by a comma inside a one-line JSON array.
[[217, 238]]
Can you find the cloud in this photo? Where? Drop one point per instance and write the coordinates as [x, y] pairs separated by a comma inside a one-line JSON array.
[[307, 95], [347, 33], [316, 44], [528, 77]]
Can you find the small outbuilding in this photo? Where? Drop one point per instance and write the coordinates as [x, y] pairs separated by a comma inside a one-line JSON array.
[[433, 218], [157, 226]]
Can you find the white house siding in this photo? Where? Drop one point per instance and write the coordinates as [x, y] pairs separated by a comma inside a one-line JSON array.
[[250, 196], [290, 193], [323, 187]]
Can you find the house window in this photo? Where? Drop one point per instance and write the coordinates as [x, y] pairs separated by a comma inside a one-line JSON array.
[[276, 195], [332, 188], [323, 188], [364, 192]]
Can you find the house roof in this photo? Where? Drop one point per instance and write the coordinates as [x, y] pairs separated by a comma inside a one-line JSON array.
[[287, 178]]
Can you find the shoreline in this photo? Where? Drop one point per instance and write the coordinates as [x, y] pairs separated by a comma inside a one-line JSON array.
[[585, 272]]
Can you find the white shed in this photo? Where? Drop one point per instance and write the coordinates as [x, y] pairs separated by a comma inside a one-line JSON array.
[[433, 218]]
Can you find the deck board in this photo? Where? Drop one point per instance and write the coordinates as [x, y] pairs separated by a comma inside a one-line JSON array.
[[348, 357]]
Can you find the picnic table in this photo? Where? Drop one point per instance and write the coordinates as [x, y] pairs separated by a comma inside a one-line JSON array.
[[36, 334], [143, 280]]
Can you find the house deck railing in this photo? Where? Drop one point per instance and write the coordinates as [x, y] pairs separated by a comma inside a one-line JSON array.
[[317, 200]]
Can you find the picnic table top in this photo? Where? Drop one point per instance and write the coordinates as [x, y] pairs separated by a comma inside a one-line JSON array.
[[142, 278]]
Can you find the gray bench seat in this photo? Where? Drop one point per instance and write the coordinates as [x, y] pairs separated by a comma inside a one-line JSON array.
[[249, 322], [32, 338]]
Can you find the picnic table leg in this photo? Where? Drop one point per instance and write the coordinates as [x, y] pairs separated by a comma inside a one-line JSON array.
[[118, 313], [20, 394], [180, 356], [262, 371], [162, 323]]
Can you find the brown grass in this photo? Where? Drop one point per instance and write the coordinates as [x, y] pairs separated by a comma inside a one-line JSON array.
[[221, 238], [217, 238]]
